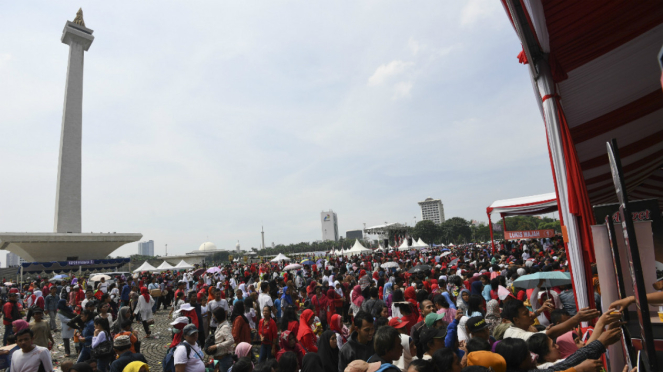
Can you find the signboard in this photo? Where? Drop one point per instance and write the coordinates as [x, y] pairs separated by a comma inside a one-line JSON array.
[[529, 234], [80, 263], [641, 210]]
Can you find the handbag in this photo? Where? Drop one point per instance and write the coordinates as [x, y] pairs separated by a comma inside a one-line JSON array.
[[104, 350], [209, 342]]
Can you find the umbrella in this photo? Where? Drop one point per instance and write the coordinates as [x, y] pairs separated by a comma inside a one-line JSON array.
[[58, 277], [419, 269], [9, 284], [308, 262], [552, 279], [389, 265], [445, 253], [453, 262], [293, 267], [96, 278], [198, 272], [213, 269]]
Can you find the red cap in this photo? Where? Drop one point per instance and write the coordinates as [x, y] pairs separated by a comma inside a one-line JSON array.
[[397, 322]]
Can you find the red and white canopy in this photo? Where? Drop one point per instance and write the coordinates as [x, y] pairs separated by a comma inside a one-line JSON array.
[[528, 205], [595, 74]]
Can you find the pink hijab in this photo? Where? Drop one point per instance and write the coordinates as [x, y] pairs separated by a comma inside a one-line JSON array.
[[567, 345], [357, 298]]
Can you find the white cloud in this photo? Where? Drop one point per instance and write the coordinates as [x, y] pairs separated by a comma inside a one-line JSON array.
[[384, 72], [402, 89], [480, 10]]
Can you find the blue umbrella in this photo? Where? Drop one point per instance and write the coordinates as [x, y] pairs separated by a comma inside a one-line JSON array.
[[308, 262], [552, 279]]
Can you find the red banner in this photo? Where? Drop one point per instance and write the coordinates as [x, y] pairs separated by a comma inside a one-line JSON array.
[[531, 234]]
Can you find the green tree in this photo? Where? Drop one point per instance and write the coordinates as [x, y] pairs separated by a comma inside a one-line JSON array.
[[427, 230], [456, 230]]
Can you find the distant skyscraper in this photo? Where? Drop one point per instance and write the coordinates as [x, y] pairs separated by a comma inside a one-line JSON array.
[[329, 225], [13, 259], [146, 248], [354, 234], [432, 210]]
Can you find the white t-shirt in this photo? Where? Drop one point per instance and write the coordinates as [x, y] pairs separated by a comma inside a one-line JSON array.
[[103, 287], [213, 305], [525, 255], [264, 300], [195, 361], [31, 361]]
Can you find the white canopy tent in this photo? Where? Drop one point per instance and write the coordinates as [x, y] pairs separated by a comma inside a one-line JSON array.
[[404, 246], [145, 267], [358, 248], [419, 244], [183, 265], [280, 257], [165, 266]]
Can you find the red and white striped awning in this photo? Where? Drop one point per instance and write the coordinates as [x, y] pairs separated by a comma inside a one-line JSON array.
[[604, 61], [528, 205], [595, 74]]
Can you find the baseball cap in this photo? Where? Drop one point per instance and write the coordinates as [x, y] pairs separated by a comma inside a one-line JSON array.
[[487, 359], [189, 329], [397, 322], [362, 366], [476, 324], [180, 320], [432, 318], [428, 334], [121, 341]]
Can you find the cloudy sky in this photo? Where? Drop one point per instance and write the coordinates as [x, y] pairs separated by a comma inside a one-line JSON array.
[[203, 120]]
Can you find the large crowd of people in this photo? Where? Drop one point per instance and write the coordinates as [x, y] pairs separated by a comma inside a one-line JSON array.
[[431, 310]]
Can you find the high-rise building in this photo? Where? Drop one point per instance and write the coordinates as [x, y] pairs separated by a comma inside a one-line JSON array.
[[329, 225], [354, 234], [146, 248], [13, 259], [432, 210]]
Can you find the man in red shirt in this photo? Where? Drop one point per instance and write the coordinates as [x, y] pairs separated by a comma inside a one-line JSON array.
[[11, 312]]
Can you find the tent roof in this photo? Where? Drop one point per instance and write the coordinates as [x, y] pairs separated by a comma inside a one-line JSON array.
[[604, 62], [183, 265], [145, 267], [358, 248], [280, 257], [164, 266], [404, 246], [528, 205]]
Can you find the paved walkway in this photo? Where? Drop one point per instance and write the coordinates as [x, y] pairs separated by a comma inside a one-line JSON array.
[[154, 348]]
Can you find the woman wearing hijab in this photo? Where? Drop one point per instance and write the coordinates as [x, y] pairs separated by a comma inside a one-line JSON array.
[[493, 316], [305, 334], [136, 366], [342, 333], [357, 299], [477, 288], [144, 307], [311, 363], [328, 351], [288, 343], [242, 350], [386, 295], [122, 315], [65, 313], [461, 303]]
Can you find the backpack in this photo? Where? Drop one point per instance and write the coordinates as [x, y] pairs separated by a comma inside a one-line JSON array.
[[211, 340], [168, 361]]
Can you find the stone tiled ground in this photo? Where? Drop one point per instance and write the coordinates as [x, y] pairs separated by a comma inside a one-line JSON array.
[[154, 349]]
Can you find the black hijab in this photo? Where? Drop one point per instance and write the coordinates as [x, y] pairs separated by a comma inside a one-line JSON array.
[[328, 355], [312, 362]]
